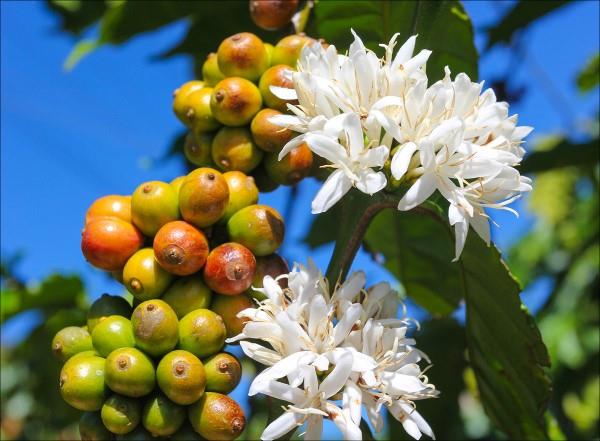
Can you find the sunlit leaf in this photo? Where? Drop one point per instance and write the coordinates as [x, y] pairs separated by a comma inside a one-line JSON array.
[[589, 77]]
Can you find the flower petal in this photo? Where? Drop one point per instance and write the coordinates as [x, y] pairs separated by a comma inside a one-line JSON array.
[[419, 192], [401, 159], [336, 186], [281, 426], [337, 377]]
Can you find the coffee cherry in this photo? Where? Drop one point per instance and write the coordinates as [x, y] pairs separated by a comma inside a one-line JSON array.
[[279, 75], [263, 182], [235, 101], [229, 269], [202, 332], [203, 197], [197, 148], [143, 277], [228, 307], [176, 184], [155, 327], [70, 341], [110, 206], [260, 228], [198, 114], [272, 14], [269, 47], [130, 372], [112, 333], [107, 243], [216, 416], [105, 306], [162, 417], [180, 248], [210, 70], [121, 414], [243, 55], [223, 373], [242, 192], [234, 149], [82, 382], [153, 204], [266, 135], [187, 294], [292, 168], [287, 50], [180, 98], [180, 375]]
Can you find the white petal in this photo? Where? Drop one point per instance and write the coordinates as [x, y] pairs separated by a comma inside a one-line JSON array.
[[327, 148], [314, 427], [352, 399], [284, 367], [411, 428], [401, 159], [285, 120], [418, 419], [259, 353], [284, 93], [352, 286], [354, 134], [388, 124], [481, 225], [281, 391], [419, 192], [337, 377], [344, 325], [281, 426], [291, 145], [318, 314], [400, 384], [461, 228], [336, 186], [370, 182], [375, 157], [350, 431], [405, 52]]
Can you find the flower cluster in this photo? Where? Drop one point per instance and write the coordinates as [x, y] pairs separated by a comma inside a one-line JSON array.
[[322, 348], [359, 112]]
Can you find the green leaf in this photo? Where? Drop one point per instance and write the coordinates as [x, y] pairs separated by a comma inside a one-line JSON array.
[[565, 154], [79, 51], [519, 17], [589, 77], [55, 292], [418, 251], [505, 346], [128, 19], [76, 15], [443, 27]]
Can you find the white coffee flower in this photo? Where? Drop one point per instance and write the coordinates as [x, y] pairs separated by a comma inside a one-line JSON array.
[[321, 347], [463, 145], [448, 137]]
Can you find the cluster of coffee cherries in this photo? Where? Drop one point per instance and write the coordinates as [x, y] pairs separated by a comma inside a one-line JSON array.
[[228, 112], [189, 252]]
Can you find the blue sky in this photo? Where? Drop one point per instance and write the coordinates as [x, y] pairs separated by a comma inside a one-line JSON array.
[[69, 138]]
